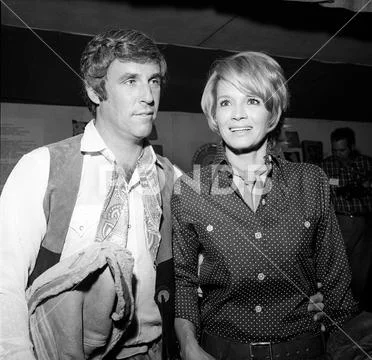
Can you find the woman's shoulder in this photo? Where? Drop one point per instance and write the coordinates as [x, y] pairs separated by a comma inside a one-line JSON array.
[[198, 179], [303, 169]]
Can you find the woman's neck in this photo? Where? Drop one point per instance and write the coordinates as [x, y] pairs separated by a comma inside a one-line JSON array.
[[247, 160]]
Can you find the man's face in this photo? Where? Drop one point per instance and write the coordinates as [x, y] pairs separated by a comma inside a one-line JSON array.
[[341, 149], [133, 94]]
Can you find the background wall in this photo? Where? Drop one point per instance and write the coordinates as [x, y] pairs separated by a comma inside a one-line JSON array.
[[27, 126], [318, 90], [41, 96]]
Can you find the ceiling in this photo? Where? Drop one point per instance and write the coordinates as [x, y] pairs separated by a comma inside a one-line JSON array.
[[329, 31], [324, 47]]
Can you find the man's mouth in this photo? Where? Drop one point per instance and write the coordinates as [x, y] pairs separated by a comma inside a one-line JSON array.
[[148, 113]]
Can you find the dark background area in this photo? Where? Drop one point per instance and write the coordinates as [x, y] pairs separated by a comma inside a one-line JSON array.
[[32, 73]]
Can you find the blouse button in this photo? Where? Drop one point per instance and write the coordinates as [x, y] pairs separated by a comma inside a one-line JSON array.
[[258, 309], [307, 224], [261, 276], [263, 202], [209, 228], [81, 228], [258, 235]]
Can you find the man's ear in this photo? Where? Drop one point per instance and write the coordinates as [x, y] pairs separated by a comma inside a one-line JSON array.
[[93, 95]]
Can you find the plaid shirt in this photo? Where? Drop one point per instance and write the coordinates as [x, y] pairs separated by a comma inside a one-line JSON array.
[[348, 195]]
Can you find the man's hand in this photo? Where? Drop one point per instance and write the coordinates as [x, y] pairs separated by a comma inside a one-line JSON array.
[[195, 352], [316, 304]]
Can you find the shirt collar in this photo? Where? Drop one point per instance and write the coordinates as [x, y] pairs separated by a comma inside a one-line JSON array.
[[148, 156], [92, 142], [221, 163], [277, 174]]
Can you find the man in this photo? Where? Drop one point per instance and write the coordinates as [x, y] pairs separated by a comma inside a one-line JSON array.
[[71, 181], [350, 177]]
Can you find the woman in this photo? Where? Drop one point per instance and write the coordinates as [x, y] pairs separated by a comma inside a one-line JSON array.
[[265, 226]]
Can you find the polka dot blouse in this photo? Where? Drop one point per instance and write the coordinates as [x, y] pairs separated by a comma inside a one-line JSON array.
[[259, 268]]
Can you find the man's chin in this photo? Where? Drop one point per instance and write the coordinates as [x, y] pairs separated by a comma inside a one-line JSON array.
[[145, 133]]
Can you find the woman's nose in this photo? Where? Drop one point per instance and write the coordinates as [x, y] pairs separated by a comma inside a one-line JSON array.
[[239, 113]]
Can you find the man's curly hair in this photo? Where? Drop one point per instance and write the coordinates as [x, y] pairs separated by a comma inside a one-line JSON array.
[[122, 44]]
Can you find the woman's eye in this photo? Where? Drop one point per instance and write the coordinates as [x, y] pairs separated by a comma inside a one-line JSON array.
[[253, 101], [224, 103]]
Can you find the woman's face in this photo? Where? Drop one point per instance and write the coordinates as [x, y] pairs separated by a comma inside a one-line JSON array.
[[242, 119]]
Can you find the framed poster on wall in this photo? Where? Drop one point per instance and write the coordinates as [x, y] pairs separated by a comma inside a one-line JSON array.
[[312, 151], [78, 127], [205, 154], [292, 139], [294, 155]]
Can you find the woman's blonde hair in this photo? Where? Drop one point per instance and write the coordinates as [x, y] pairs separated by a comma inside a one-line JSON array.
[[250, 72]]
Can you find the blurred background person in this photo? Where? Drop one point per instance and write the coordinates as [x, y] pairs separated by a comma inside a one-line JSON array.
[[350, 179]]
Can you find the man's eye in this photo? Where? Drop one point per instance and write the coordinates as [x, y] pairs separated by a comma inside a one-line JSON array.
[[130, 81], [156, 81]]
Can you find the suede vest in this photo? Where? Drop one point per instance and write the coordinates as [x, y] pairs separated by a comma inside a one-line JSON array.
[[66, 162]]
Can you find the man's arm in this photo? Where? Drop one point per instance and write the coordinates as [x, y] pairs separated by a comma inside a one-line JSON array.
[[22, 227], [333, 270], [186, 334]]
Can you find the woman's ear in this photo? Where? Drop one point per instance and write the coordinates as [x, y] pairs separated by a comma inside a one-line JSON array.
[[216, 127], [274, 121], [92, 95]]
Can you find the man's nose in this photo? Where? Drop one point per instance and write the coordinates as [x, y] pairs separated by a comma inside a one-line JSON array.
[[146, 94]]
